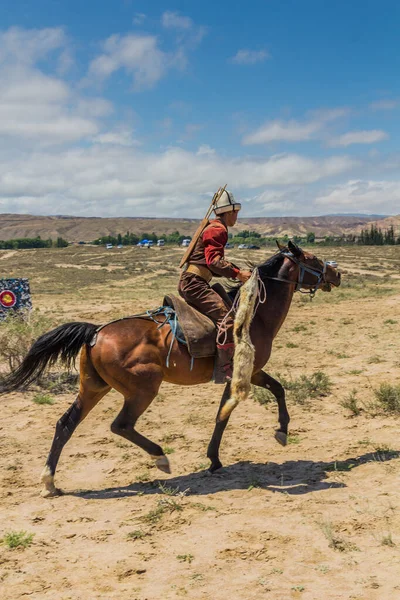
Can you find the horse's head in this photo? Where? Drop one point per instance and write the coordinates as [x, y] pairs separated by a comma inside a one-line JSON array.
[[313, 273]]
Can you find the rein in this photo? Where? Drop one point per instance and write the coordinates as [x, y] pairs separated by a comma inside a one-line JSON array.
[[311, 291]]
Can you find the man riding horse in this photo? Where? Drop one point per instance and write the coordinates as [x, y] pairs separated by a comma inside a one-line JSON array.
[[206, 261]]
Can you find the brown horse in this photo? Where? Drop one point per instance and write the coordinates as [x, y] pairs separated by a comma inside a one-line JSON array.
[[130, 356]]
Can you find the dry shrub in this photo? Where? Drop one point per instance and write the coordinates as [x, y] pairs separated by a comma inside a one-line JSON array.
[[307, 387], [17, 334], [388, 397]]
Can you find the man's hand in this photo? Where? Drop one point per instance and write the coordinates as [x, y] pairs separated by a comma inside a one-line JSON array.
[[243, 276]]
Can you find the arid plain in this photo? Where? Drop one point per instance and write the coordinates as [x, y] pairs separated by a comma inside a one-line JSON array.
[[317, 519]]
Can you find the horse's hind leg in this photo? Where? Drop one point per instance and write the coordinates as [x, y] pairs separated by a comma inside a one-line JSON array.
[[91, 390], [262, 379], [124, 425]]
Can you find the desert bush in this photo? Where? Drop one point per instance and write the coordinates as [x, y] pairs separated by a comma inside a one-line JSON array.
[[306, 387], [18, 332], [17, 539], [388, 397], [261, 395], [351, 403], [43, 399], [59, 383]]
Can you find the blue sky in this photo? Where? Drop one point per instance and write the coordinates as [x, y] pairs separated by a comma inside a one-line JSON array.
[[136, 108]]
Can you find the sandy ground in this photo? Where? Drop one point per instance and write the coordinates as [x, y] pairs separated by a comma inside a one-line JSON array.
[[317, 519]]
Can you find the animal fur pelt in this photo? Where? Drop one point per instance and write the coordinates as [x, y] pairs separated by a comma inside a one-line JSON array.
[[243, 360]]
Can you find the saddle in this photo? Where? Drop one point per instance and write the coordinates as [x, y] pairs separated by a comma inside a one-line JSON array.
[[198, 331]]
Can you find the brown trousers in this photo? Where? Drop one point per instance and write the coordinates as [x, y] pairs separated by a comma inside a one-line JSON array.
[[196, 291]]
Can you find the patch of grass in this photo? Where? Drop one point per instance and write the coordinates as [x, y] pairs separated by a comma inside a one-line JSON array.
[[384, 453], [341, 465], [142, 478], [350, 402], [261, 395], [163, 506], [168, 450], [153, 516], [307, 387], [293, 439], [298, 588], [346, 321], [291, 345], [202, 507], [298, 328], [17, 539], [138, 534], [387, 540], [254, 483], [185, 558], [390, 322], [375, 360], [335, 542], [170, 491], [388, 398], [43, 399], [355, 372], [171, 437]]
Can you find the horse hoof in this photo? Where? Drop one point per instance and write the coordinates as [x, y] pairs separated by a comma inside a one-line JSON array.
[[215, 470], [162, 463], [51, 493], [49, 490], [281, 438]]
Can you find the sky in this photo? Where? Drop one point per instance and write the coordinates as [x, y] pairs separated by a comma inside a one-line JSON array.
[[138, 108]]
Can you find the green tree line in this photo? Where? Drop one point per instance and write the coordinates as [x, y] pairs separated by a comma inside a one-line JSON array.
[[37, 242]]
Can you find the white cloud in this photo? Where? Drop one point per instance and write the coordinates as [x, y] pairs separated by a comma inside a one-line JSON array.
[[205, 149], [292, 130], [359, 137], [138, 54], [139, 19], [174, 20], [28, 46], [110, 179], [36, 107], [250, 57], [65, 62], [287, 131], [384, 105], [118, 137], [364, 196]]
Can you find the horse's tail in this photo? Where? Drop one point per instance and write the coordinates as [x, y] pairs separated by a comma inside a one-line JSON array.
[[62, 343]]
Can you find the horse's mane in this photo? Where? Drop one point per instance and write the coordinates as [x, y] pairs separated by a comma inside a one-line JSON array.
[[269, 268]]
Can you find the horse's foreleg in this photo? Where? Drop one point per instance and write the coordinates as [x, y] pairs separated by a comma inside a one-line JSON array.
[[65, 427], [213, 447], [264, 380]]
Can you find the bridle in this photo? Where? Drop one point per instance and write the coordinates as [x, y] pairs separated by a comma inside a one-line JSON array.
[[311, 289]]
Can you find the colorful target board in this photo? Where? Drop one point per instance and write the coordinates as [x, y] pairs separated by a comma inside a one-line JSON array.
[[14, 296]]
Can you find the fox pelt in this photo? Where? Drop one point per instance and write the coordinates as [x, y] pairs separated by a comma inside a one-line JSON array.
[[243, 360]]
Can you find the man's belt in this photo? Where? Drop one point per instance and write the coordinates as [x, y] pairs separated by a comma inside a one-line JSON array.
[[200, 271]]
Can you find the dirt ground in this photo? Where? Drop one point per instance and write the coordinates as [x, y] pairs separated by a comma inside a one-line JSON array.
[[319, 518]]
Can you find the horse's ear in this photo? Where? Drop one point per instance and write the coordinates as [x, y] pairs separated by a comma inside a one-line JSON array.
[[295, 250], [280, 245]]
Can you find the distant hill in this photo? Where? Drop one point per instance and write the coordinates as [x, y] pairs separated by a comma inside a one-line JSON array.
[[75, 229]]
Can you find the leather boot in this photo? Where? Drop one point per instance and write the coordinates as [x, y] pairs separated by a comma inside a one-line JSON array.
[[224, 363]]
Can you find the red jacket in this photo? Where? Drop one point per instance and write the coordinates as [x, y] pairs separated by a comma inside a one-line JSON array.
[[210, 251]]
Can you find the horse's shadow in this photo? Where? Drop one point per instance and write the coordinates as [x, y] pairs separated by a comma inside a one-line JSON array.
[[292, 477]]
